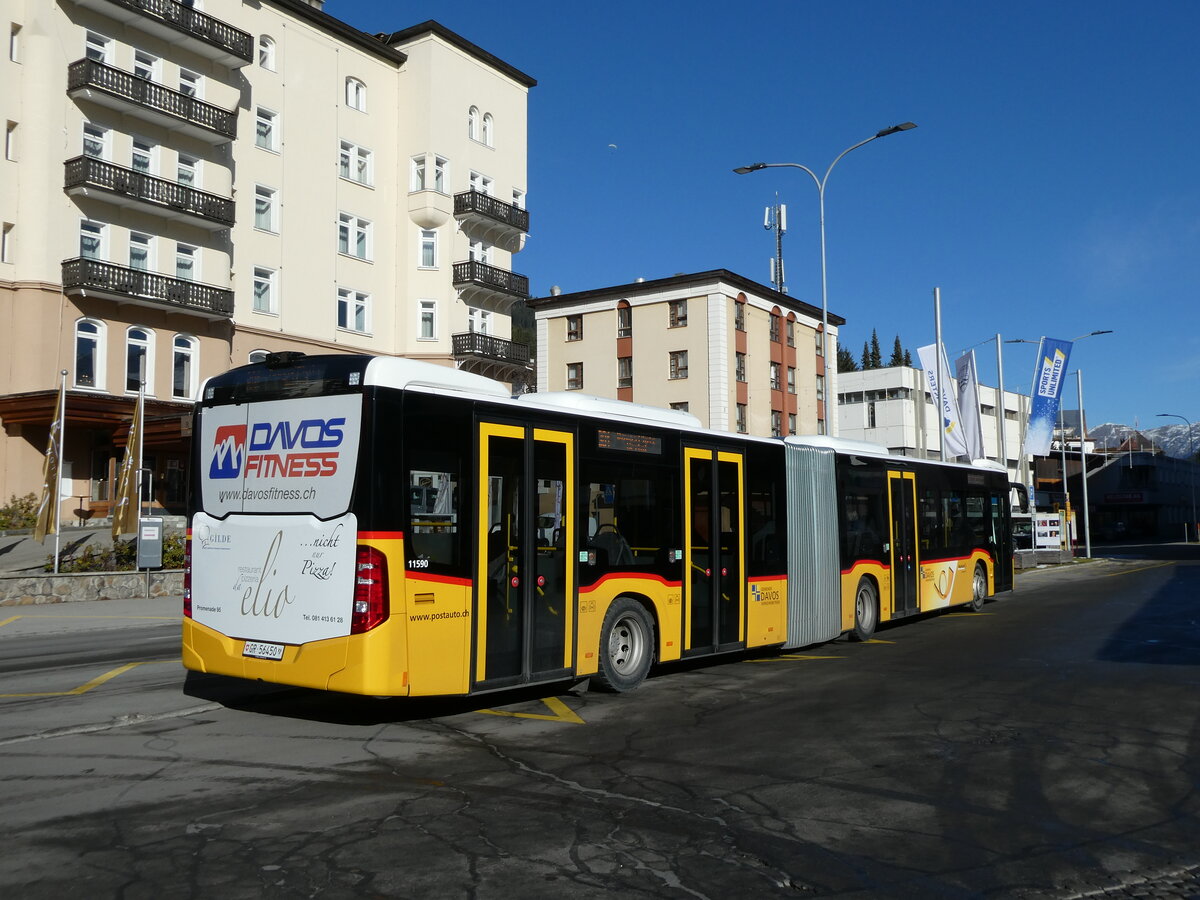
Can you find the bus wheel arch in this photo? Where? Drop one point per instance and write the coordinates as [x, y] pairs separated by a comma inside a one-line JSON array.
[[979, 587], [866, 609], [627, 645]]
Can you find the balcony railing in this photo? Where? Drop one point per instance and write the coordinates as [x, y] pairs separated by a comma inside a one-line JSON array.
[[88, 73], [472, 343], [477, 203], [176, 17], [147, 287], [482, 275], [87, 171]]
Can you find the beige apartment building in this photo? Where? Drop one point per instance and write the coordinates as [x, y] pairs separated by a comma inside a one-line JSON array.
[[189, 186], [737, 354]]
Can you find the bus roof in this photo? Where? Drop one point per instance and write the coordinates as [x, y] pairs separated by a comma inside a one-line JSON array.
[[587, 404], [399, 373]]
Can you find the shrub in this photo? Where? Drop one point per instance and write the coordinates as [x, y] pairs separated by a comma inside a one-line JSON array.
[[120, 557], [20, 512]]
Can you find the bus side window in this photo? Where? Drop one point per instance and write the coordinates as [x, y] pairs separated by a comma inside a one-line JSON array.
[[432, 517]]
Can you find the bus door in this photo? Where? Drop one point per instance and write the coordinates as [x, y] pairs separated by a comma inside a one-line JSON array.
[[714, 551], [902, 501], [524, 596]]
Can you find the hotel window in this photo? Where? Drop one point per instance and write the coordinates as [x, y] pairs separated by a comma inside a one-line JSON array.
[[186, 170], [574, 328], [353, 309], [775, 385], [739, 315], [91, 240], [265, 132], [741, 418], [820, 387], [418, 173], [479, 251], [791, 332], [145, 65], [89, 354], [265, 217], [266, 52], [138, 361], [142, 157], [478, 320], [354, 163], [518, 199], [356, 94], [481, 183], [488, 128], [739, 366], [97, 47], [185, 262], [791, 379], [264, 290], [139, 251], [776, 423], [184, 368], [95, 141], [678, 364], [354, 236], [14, 43], [439, 174], [624, 371], [427, 252], [574, 376], [624, 320], [6, 243], [791, 423], [191, 84], [820, 342], [681, 406], [427, 327], [677, 313], [473, 123], [774, 327]]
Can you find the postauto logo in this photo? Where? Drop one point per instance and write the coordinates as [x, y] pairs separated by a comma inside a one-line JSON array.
[[281, 449]]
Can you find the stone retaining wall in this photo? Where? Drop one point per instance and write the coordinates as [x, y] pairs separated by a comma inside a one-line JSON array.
[[27, 590]]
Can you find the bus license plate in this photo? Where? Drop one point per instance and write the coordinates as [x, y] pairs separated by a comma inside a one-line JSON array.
[[260, 650]]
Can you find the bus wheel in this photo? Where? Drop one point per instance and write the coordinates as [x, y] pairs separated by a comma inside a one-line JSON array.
[[866, 610], [978, 588], [626, 646]]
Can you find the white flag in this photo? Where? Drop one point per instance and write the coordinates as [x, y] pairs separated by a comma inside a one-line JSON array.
[[945, 399], [968, 404]]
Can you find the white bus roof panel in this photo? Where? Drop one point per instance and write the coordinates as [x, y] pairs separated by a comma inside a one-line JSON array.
[[395, 372], [587, 404]]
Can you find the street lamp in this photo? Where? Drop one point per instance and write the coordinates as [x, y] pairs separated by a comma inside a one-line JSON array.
[[820, 182], [1192, 460]]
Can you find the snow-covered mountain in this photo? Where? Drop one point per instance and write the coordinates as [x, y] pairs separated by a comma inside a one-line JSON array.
[[1173, 439]]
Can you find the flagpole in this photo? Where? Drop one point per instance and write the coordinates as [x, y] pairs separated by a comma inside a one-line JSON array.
[[62, 428], [937, 352]]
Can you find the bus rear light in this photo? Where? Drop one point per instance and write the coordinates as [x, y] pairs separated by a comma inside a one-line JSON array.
[[370, 590], [187, 576]]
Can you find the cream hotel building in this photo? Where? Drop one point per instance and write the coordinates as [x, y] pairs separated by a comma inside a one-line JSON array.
[[187, 186]]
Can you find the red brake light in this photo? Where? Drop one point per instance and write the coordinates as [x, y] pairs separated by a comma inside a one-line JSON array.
[[370, 590], [187, 575]]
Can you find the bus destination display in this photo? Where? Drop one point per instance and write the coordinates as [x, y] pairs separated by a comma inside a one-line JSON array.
[[632, 443]]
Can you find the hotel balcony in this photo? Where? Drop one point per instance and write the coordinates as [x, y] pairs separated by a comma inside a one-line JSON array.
[[489, 287], [492, 357], [87, 176], [127, 93], [96, 278], [485, 218], [171, 20]]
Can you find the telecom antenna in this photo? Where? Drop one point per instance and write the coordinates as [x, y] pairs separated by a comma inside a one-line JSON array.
[[775, 219]]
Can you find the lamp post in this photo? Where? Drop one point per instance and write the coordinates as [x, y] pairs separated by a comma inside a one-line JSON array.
[[1192, 460], [821, 182]]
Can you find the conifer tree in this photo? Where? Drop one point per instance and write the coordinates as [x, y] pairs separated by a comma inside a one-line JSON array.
[[897, 354], [866, 356], [908, 359], [876, 356], [845, 360]]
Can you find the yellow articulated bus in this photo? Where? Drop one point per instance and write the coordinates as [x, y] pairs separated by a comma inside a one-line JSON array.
[[387, 527]]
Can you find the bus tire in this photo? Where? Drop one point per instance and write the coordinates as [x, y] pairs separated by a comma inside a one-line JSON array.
[[866, 610], [978, 588], [626, 646]]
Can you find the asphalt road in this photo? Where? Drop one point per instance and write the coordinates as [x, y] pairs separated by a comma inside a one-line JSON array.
[[1047, 747]]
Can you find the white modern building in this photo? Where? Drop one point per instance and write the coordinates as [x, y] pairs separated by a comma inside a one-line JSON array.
[[187, 187], [893, 407]]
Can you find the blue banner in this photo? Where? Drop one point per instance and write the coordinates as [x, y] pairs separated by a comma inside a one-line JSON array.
[[1048, 374]]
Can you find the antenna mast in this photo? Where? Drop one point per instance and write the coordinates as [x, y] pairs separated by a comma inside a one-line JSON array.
[[775, 219]]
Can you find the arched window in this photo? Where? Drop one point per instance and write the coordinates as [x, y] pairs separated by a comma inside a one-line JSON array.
[[487, 129], [356, 94], [473, 123], [257, 356], [89, 354], [266, 52], [185, 367], [139, 346]]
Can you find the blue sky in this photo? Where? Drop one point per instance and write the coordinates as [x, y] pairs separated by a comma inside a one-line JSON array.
[[1052, 186]]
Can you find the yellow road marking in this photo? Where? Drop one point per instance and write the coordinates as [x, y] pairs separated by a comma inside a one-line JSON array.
[[1141, 569], [970, 615], [804, 656], [94, 683], [562, 713], [12, 619], [877, 641]]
